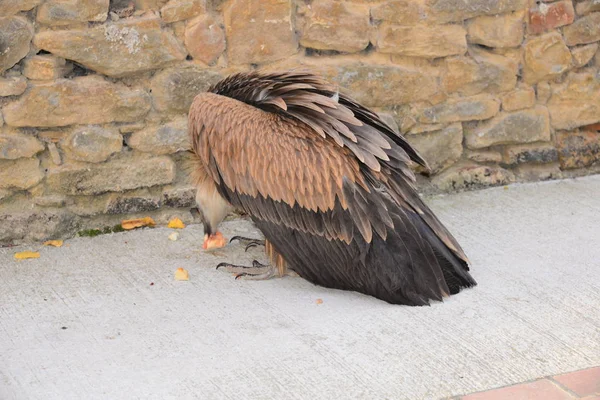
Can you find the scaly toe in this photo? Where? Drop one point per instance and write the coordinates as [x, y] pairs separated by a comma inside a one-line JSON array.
[[254, 243], [256, 269], [249, 242], [270, 272]]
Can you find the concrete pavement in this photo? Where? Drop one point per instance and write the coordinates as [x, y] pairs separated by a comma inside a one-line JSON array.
[[103, 318]]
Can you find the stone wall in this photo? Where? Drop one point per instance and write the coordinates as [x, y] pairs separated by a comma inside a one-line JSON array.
[[93, 93]]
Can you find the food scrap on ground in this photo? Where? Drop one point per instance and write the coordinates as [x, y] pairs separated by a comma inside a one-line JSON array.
[[174, 236], [215, 241], [319, 301], [176, 223], [182, 275], [137, 223], [23, 255], [54, 243]]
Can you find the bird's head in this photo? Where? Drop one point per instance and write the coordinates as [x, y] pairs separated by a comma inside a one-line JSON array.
[[214, 241]]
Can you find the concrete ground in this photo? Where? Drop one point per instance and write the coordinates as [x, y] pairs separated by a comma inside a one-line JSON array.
[[103, 318]]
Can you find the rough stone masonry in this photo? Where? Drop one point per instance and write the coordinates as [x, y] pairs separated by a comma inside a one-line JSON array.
[[94, 93]]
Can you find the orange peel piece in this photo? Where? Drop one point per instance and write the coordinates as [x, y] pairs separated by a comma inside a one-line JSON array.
[[55, 243], [215, 241], [176, 223], [319, 301], [182, 275], [23, 255], [137, 223]]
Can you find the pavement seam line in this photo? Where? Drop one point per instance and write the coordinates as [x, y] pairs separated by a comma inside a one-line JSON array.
[[565, 388]]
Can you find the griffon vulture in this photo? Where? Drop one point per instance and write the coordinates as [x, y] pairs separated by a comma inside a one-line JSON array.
[[327, 182]]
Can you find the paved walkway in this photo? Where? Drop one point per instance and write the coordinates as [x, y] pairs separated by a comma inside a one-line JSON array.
[[583, 384], [103, 318]]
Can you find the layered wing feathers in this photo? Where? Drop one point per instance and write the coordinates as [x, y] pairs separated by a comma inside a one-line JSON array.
[[298, 156]]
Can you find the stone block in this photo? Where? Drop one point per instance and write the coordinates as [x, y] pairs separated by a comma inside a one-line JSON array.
[[37, 225], [117, 48], [118, 174], [12, 7], [400, 12], [441, 148], [137, 201], [180, 197], [543, 92], [477, 107], [164, 139], [50, 201], [45, 67], [12, 86], [178, 10], [523, 126], [583, 31], [84, 100], [20, 174], [441, 11], [545, 57], [518, 99], [66, 12], [174, 89], [205, 39], [15, 40], [93, 144], [259, 31], [578, 149], [428, 41], [483, 156], [333, 25], [15, 145], [583, 54], [486, 72], [472, 176], [587, 6], [149, 4], [575, 102], [544, 17], [505, 30], [383, 85], [537, 153]]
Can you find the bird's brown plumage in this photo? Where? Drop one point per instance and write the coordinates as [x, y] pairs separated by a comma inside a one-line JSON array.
[[328, 183]]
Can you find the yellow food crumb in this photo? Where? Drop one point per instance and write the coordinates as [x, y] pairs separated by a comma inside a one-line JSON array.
[[55, 243], [27, 254], [137, 223], [182, 275], [176, 223]]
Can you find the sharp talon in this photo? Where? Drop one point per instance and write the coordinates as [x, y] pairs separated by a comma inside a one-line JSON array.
[[257, 271], [249, 242], [250, 245], [235, 238]]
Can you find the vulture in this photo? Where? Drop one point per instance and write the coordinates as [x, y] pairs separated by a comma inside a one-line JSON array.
[[327, 182]]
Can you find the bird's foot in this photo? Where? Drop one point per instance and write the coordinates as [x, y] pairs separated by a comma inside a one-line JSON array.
[[214, 241], [249, 242], [256, 272]]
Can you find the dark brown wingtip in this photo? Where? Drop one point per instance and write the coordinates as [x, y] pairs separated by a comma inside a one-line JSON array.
[[425, 169]]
